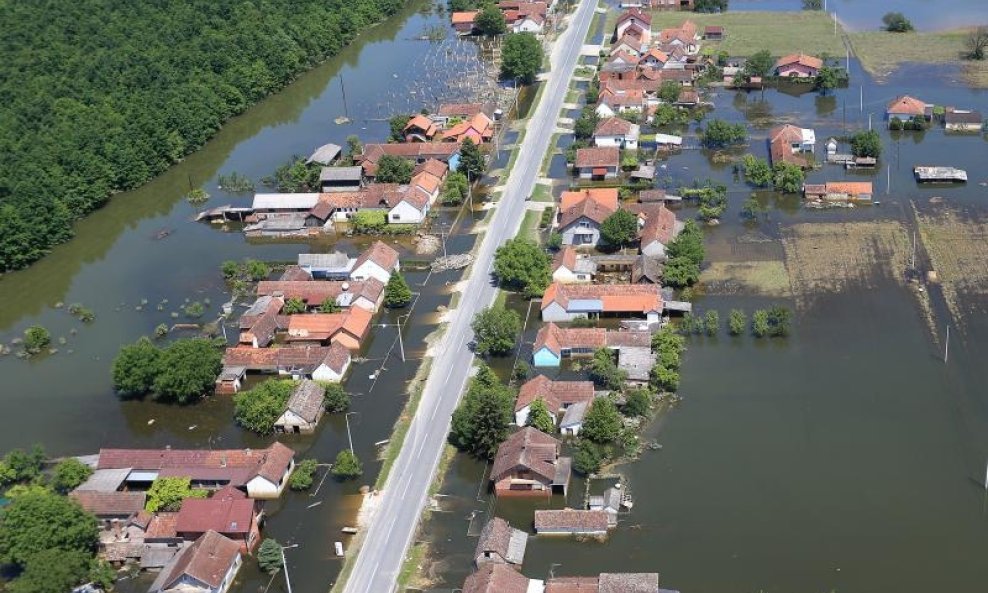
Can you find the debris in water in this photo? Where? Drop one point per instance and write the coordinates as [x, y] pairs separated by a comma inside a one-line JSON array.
[[150, 422]]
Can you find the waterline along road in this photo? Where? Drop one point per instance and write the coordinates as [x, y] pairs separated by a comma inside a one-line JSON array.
[[404, 497]]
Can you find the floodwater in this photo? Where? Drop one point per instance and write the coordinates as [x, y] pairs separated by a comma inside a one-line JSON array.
[[864, 15], [847, 457]]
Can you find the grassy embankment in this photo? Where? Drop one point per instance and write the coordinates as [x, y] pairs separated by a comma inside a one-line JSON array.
[[881, 52]]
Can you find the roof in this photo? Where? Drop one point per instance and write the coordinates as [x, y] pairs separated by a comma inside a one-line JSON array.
[[569, 258], [629, 582], [336, 260], [530, 449], [379, 253], [459, 109], [434, 167], [556, 338], [110, 503], [614, 298], [317, 291], [658, 54], [305, 358], [635, 13], [270, 463], [500, 538], [341, 174], [598, 157], [712, 29], [962, 117], [907, 105], [207, 560], [295, 273], [323, 326], [801, 59], [781, 138], [306, 401], [477, 128], [614, 126], [224, 515], [298, 201], [325, 154], [572, 585], [852, 188], [161, 525], [625, 338], [495, 578], [465, 17], [556, 394], [652, 195], [570, 520], [105, 480], [594, 204], [574, 414], [660, 226]]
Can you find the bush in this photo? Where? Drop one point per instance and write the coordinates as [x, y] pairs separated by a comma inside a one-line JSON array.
[[21, 466], [167, 494], [68, 474], [394, 169], [711, 322], [258, 409], [779, 321], [293, 306], [256, 270], [302, 477], [757, 171], [896, 22], [638, 402], [269, 555], [347, 466], [456, 189], [605, 372], [36, 339], [53, 571], [397, 294], [335, 398], [737, 322], [759, 323], [540, 417], [194, 310], [719, 134], [787, 177], [620, 228], [868, 143], [366, 222], [588, 457]]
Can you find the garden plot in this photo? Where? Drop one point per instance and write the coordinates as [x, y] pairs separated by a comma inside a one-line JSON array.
[[957, 245]]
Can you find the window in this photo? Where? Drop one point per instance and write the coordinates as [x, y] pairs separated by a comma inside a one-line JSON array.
[[395, 217]]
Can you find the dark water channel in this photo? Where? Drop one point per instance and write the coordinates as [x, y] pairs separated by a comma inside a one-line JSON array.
[[847, 457]]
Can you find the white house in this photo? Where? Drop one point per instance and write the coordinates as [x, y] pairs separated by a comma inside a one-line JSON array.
[[209, 565], [333, 368], [303, 409], [528, 23], [614, 131], [569, 267], [379, 261], [272, 474], [637, 19], [572, 421]]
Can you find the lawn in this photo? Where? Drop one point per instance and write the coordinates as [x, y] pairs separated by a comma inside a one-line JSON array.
[[781, 33], [881, 52], [530, 225]]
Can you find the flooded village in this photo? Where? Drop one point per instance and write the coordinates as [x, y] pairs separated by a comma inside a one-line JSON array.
[[733, 369]]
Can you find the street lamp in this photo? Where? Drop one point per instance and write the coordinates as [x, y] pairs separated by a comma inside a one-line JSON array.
[[346, 417], [401, 343], [284, 565]]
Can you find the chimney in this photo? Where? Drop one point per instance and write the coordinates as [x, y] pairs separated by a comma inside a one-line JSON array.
[[346, 286]]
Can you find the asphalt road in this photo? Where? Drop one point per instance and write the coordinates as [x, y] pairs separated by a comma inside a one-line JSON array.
[[394, 524]]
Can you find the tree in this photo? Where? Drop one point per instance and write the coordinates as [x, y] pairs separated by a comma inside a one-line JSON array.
[[329, 305], [680, 272], [472, 163], [896, 22], [688, 244], [711, 322], [638, 402], [812, 4], [521, 57], [354, 146], [293, 306], [258, 409], [787, 177], [737, 322], [456, 189], [347, 466], [394, 169], [759, 63], [167, 493], [296, 175], [540, 418], [490, 21], [602, 424], [585, 126], [480, 423], [976, 43], [664, 378], [826, 79], [710, 6], [720, 134], [19, 465], [335, 399], [496, 330], [197, 197], [669, 91], [620, 228], [397, 125], [188, 369], [751, 208], [397, 294], [521, 264], [40, 521], [68, 474], [759, 323], [588, 457], [866, 144], [604, 371], [554, 241], [302, 477], [779, 321], [269, 555], [135, 367], [36, 339], [256, 270], [53, 571], [757, 171]]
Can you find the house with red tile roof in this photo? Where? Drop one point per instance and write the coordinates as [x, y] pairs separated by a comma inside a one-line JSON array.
[[630, 45], [798, 66], [839, 191], [366, 294], [420, 129], [553, 343], [791, 144], [582, 212], [499, 543], [608, 582], [568, 266], [634, 17], [597, 163], [615, 131], [571, 522], [566, 302], [207, 566], [499, 578], [906, 107], [320, 363], [304, 408], [228, 512], [557, 395], [349, 328], [416, 152], [659, 227], [478, 128], [528, 464], [378, 262]]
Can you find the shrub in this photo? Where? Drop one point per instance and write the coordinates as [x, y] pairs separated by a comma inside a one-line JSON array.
[[269, 555], [347, 466], [302, 477], [336, 399], [36, 339]]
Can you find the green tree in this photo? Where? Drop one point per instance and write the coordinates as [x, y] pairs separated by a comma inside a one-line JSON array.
[[302, 476], [620, 228], [456, 189], [602, 424], [588, 457], [41, 521], [36, 339], [669, 91], [760, 63], [585, 126], [490, 21], [354, 146], [329, 305], [496, 329], [293, 306], [720, 134], [394, 169], [521, 57], [256, 270], [335, 399], [521, 264], [53, 571], [779, 321], [751, 208], [397, 125], [258, 409], [866, 144], [737, 322], [19, 465], [397, 294], [347, 466], [554, 241], [757, 171], [605, 372], [480, 423], [135, 367], [295, 176], [269, 555], [664, 378], [472, 163], [540, 418], [688, 244], [710, 6], [759, 323], [826, 79], [187, 370], [638, 402], [69, 473], [896, 22], [711, 322], [680, 272], [787, 177], [167, 493]]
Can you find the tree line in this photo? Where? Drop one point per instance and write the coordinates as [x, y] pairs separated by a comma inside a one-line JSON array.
[[99, 96]]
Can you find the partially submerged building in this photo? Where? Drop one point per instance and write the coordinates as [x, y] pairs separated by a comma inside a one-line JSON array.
[[500, 543], [528, 463]]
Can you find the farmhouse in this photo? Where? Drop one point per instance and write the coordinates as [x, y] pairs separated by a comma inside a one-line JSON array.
[[614, 131], [798, 66], [333, 179], [598, 163], [366, 294], [569, 266], [348, 329], [634, 19], [528, 464], [553, 343], [228, 512], [839, 191], [566, 302], [303, 410], [500, 543], [207, 566], [557, 395], [905, 108], [320, 363], [963, 121], [582, 212], [499, 578], [790, 144]]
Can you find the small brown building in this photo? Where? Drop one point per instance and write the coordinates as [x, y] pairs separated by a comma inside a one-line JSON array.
[[528, 464], [500, 543]]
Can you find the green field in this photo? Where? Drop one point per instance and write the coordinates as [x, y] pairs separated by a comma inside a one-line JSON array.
[[881, 52], [781, 33]]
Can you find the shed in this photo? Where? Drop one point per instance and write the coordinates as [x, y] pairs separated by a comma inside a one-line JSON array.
[[334, 179], [304, 409], [325, 154], [571, 522], [501, 544]]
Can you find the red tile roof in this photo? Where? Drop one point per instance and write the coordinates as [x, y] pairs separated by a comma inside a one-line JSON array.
[[800, 59], [635, 13], [556, 394], [565, 257], [464, 18], [572, 585], [308, 358], [270, 463], [660, 225], [110, 503], [459, 109], [906, 105], [207, 560], [223, 515], [597, 157], [314, 292], [527, 449], [570, 519], [381, 254], [613, 126], [615, 298], [556, 338], [495, 578]]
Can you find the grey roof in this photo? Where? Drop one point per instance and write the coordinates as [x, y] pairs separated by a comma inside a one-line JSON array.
[[644, 172], [585, 265], [105, 480], [307, 400], [500, 538], [636, 361], [629, 582], [281, 223], [300, 201], [325, 154], [336, 260], [341, 174], [259, 306], [574, 414]]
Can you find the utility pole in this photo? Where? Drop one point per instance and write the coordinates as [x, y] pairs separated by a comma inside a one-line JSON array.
[[284, 565], [861, 100], [869, 122], [946, 345], [888, 179], [349, 438], [914, 250]]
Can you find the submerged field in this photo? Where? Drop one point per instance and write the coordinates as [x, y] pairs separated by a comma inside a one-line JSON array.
[[881, 52]]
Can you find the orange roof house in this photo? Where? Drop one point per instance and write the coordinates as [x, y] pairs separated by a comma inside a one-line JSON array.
[[839, 191], [798, 66], [566, 302], [791, 144], [557, 395], [479, 128], [348, 329], [582, 212], [906, 107], [463, 22], [420, 129], [598, 162]]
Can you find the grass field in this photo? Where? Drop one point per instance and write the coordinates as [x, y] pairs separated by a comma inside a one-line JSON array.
[[881, 52], [781, 33], [768, 278]]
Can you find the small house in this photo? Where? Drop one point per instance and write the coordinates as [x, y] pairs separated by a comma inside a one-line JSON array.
[[557, 395], [633, 18], [528, 463], [479, 128], [378, 262], [572, 421], [366, 294], [326, 266], [333, 179], [325, 155], [614, 131], [963, 121], [566, 302], [569, 266], [654, 58], [499, 578], [320, 363], [500, 543], [839, 191], [420, 129], [905, 108], [713, 33], [464, 21], [659, 227], [303, 410], [109, 506], [791, 144], [598, 163], [209, 565], [581, 213], [571, 522], [349, 328], [798, 66], [553, 343]]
